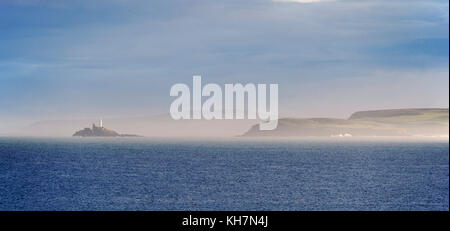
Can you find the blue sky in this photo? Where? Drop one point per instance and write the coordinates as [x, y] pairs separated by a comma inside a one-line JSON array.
[[79, 59]]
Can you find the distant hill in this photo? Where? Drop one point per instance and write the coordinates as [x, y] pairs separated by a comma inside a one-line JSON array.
[[393, 122], [403, 113]]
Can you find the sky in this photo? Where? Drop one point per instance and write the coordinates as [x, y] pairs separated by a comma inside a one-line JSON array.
[[113, 58]]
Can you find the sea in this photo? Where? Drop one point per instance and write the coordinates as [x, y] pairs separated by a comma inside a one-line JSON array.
[[223, 174]]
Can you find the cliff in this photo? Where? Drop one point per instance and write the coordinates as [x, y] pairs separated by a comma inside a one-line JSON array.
[[393, 122]]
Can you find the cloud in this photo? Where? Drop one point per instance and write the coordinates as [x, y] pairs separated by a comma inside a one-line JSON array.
[[53, 60]]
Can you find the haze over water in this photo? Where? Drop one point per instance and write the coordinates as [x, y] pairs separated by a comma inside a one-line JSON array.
[[339, 64]]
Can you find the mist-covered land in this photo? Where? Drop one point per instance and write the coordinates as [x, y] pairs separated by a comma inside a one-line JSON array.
[[393, 122], [378, 123], [148, 126]]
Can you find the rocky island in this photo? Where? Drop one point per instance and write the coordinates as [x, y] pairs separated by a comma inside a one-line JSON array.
[[100, 131]]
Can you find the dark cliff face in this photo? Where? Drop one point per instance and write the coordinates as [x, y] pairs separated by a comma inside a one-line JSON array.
[[96, 132]]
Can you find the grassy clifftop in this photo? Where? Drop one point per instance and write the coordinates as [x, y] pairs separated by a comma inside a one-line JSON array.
[[403, 114], [393, 122]]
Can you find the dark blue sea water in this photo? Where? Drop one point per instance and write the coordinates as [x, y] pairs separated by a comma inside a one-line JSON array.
[[145, 174]]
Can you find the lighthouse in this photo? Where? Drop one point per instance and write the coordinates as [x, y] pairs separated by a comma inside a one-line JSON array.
[[101, 123]]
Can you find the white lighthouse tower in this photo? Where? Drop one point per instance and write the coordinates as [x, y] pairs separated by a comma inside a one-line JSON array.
[[101, 123]]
